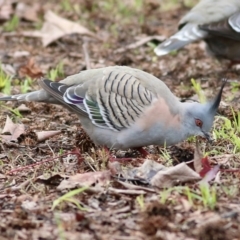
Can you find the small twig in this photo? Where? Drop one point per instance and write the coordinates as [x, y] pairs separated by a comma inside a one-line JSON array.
[[29, 157], [86, 55], [50, 148], [41, 145], [3, 148], [19, 187], [89, 164], [139, 43], [45, 161], [12, 144], [230, 170], [44, 145]]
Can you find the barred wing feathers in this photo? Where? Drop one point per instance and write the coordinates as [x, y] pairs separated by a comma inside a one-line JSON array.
[[114, 101]]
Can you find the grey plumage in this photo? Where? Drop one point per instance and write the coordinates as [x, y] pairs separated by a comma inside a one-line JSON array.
[[217, 22], [122, 107]]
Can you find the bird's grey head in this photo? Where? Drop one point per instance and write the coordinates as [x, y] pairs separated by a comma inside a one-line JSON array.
[[198, 118]]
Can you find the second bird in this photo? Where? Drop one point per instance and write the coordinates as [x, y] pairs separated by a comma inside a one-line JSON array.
[[217, 22]]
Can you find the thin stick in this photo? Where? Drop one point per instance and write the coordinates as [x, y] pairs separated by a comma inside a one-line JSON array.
[[45, 161], [86, 55]]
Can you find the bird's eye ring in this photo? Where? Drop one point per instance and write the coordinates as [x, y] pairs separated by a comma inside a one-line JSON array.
[[198, 123]]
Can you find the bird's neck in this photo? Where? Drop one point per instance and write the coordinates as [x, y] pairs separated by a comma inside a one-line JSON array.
[[186, 117]]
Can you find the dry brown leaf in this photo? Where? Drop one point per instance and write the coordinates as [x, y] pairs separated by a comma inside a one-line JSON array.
[[126, 191], [18, 54], [23, 108], [56, 27], [29, 205], [46, 134], [2, 176], [6, 10], [179, 173], [13, 130], [186, 205], [3, 155], [135, 187], [27, 12], [157, 175], [149, 169], [145, 172], [85, 179], [53, 180], [8, 69], [30, 69], [223, 159]]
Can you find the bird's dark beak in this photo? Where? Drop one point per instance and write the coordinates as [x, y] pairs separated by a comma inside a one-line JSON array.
[[207, 136]]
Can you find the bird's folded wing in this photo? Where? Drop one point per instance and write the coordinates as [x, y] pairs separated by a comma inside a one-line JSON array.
[[114, 101], [229, 28]]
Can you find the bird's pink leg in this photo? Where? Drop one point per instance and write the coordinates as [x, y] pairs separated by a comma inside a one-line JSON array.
[[143, 152], [112, 158]]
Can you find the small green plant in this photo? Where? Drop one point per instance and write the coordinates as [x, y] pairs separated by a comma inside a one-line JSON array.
[[66, 5], [138, 4], [197, 88], [61, 151], [140, 201], [164, 195], [229, 131], [57, 72], [152, 45], [26, 85], [189, 195], [38, 25], [12, 24], [173, 53], [166, 156], [5, 82], [235, 86], [7, 87], [205, 195], [15, 111], [236, 120], [114, 30], [231, 191], [192, 139], [209, 195], [69, 197], [166, 5], [77, 9], [190, 3], [60, 227], [124, 10]]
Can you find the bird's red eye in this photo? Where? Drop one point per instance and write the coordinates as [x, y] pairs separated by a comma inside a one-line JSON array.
[[198, 122]]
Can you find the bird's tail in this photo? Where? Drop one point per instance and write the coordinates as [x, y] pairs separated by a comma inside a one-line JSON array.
[[36, 96], [188, 34]]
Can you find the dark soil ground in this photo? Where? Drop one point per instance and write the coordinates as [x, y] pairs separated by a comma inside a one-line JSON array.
[[112, 210]]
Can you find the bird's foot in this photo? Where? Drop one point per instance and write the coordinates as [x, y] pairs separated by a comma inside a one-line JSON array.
[[113, 158]]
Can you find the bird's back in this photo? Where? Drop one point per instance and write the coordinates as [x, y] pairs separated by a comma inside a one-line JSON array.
[[207, 11]]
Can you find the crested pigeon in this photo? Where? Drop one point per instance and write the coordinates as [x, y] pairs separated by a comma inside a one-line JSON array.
[[217, 22], [122, 107]]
